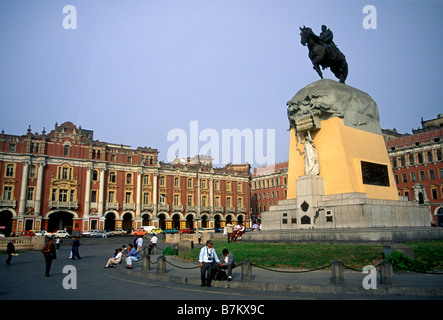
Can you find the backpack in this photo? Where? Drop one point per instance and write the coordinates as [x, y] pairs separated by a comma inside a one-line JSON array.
[[221, 275]]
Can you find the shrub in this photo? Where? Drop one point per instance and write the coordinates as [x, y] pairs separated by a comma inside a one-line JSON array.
[[169, 251], [401, 262]]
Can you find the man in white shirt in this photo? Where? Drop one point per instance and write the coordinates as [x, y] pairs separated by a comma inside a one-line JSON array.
[[139, 243], [154, 241], [207, 258]]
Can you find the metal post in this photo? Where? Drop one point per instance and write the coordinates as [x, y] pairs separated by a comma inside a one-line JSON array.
[[246, 270], [337, 272]]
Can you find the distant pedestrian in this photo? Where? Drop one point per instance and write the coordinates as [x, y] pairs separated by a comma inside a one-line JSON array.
[[10, 251], [229, 231], [49, 253], [199, 235], [75, 248], [154, 241], [57, 242], [139, 243]]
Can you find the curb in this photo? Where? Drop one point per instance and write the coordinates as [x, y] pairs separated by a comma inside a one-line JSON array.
[[382, 290]]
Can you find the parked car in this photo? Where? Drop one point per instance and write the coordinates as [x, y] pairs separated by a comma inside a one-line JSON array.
[[156, 231], [28, 233], [170, 231], [40, 232], [86, 233], [186, 230], [102, 234], [60, 234], [93, 234], [139, 232], [118, 232]]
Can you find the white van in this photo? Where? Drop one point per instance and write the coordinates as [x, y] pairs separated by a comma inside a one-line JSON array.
[[148, 228]]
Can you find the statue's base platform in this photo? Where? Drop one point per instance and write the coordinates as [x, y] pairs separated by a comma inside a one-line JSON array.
[[348, 235]]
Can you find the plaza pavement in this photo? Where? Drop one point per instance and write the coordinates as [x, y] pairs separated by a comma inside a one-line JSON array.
[[24, 279]]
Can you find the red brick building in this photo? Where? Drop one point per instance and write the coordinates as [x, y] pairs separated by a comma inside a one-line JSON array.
[[268, 186], [65, 179], [417, 162]]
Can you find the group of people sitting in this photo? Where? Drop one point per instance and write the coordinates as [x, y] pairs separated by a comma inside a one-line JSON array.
[[234, 232]]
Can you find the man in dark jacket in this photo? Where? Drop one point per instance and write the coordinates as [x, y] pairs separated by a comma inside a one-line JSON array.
[[10, 250], [49, 253], [227, 262]]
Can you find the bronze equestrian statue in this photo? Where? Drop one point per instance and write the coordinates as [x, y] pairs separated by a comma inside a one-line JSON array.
[[323, 52]]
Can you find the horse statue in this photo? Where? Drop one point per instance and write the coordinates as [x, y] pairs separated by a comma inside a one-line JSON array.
[[323, 52]]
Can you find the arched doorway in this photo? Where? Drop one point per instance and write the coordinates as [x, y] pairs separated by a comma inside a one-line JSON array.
[[162, 221], [190, 221], [127, 222], [217, 222], [176, 221], [240, 219], [204, 221], [6, 222], [60, 220], [110, 221], [146, 220]]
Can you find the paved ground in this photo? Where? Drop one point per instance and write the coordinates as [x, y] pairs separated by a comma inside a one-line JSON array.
[[25, 280]]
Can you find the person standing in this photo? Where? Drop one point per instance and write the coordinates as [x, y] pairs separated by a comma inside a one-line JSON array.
[[229, 231], [154, 241], [10, 250], [207, 258], [139, 245], [49, 253], [75, 247]]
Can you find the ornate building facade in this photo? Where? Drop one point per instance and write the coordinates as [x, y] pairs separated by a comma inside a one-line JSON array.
[[66, 179], [417, 162], [268, 186]]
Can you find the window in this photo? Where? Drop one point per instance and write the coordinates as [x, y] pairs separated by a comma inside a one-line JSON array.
[[429, 156], [146, 197], [162, 198], [30, 194], [413, 177], [216, 185], [217, 201], [420, 158], [111, 196], [240, 202], [189, 183], [190, 200], [32, 171], [112, 157], [128, 195], [239, 187], [112, 177], [203, 181], [204, 201], [439, 156], [228, 185], [422, 176], [94, 175], [440, 173], [431, 174], [129, 159], [176, 199], [146, 179], [94, 196], [228, 202], [176, 182], [63, 195], [411, 159], [405, 177], [162, 180], [12, 147], [434, 194], [129, 178], [10, 170], [7, 193], [66, 150]]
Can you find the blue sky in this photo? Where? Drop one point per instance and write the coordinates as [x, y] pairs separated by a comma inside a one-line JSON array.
[[134, 70]]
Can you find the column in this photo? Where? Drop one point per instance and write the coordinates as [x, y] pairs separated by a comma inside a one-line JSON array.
[[24, 188], [155, 193], [101, 192], [87, 191], [38, 196], [138, 196]]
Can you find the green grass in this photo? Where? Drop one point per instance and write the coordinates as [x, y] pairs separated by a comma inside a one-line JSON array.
[[308, 256]]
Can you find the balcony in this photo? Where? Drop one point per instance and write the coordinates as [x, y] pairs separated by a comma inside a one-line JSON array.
[[128, 206], [162, 207], [219, 209], [177, 208], [148, 207], [63, 204], [112, 206], [230, 209], [241, 210], [191, 209], [8, 203]]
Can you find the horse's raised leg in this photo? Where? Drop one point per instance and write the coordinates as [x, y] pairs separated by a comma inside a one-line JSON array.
[[317, 68]]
